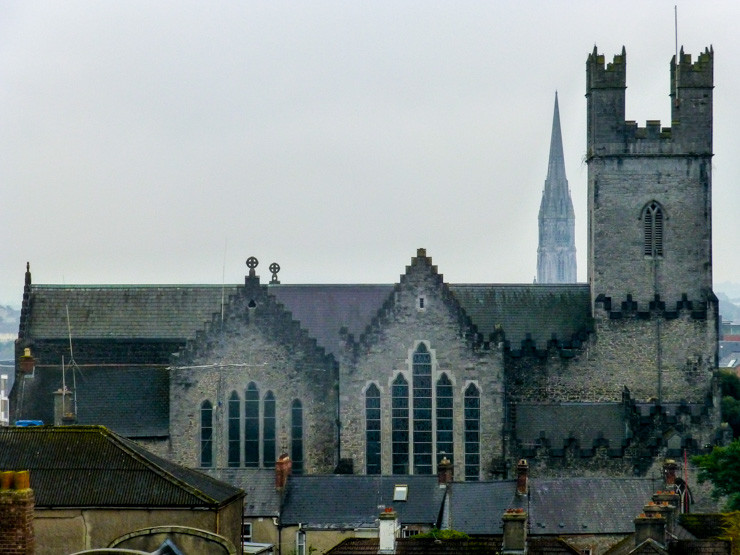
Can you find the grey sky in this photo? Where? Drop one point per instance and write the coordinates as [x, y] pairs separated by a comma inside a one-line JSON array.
[[165, 142]]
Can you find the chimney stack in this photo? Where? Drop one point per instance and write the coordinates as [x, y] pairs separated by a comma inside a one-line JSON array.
[[16, 513], [515, 532], [669, 474], [445, 472], [64, 413], [283, 466], [651, 526], [522, 477], [387, 530], [27, 363]]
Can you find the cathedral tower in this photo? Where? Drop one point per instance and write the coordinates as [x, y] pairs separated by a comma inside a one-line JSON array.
[[556, 254]]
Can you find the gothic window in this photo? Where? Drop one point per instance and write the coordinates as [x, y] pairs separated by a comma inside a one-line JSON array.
[[268, 431], [372, 430], [252, 426], [206, 434], [444, 418], [472, 433], [233, 412], [422, 410], [652, 221], [400, 425], [296, 436]]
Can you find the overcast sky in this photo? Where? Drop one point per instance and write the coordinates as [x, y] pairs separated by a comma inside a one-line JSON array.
[[166, 142]]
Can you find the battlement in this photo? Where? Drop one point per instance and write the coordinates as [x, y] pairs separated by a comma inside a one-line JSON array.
[[699, 74], [606, 76]]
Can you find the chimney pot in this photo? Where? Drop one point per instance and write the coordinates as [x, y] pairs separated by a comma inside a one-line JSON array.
[[283, 466]]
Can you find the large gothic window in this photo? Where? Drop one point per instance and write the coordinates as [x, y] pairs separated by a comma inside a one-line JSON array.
[[233, 420], [422, 405], [206, 434], [400, 425], [444, 419], [296, 436], [372, 430], [472, 433], [252, 426], [268, 431], [652, 221]]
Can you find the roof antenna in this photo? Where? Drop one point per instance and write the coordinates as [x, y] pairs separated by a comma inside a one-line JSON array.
[[72, 364]]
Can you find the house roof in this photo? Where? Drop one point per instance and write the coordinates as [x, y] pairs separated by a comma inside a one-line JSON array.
[[130, 400], [262, 499], [587, 423], [558, 506], [350, 501], [90, 466], [424, 546]]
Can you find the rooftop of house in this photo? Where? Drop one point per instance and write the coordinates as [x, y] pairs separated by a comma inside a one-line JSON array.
[[430, 546], [262, 498], [90, 466]]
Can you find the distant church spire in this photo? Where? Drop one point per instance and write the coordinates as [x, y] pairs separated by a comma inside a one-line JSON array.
[[556, 254]]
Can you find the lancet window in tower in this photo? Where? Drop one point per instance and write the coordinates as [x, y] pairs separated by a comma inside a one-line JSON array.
[[296, 436], [444, 419], [233, 423], [400, 425], [206, 434], [472, 433], [422, 405], [372, 430], [268, 431], [652, 220], [252, 426]]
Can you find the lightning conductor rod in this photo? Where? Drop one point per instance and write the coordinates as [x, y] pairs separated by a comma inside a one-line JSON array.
[[675, 32]]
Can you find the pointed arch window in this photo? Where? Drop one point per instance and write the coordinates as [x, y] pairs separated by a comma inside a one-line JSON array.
[[206, 434], [400, 425], [268, 431], [444, 419], [296, 436], [652, 221], [233, 420], [372, 430], [472, 433], [422, 392], [252, 426]]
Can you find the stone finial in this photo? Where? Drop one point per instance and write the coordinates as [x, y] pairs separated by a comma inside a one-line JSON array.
[[252, 263], [28, 273], [274, 269]]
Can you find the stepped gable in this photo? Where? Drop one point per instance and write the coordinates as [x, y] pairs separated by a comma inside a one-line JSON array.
[[591, 425], [421, 260], [533, 315], [83, 466], [131, 400], [252, 303], [327, 312]]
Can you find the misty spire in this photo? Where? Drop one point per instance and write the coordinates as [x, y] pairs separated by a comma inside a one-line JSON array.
[[556, 253]]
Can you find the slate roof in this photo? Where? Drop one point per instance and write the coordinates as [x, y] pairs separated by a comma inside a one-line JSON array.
[[123, 311], [476, 507], [414, 546], [558, 506], [176, 312], [585, 422], [90, 466], [542, 311], [351, 501], [262, 499], [130, 400]]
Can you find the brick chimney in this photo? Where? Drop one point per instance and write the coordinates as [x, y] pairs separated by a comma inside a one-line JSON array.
[[445, 472], [16, 514], [515, 532], [26, 363], [669, 474], [388, 528], [650, 525], [671, 502], [283, 466], [522, 477]]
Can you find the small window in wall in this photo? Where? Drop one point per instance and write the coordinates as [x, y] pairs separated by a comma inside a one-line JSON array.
[[421, 303], [234, 429], [300, 542], [400, 492], [252, 426], [407, 532], [296, 436], [372, 430], [652, 221], [246, 532], [269, 431], [206, 434]]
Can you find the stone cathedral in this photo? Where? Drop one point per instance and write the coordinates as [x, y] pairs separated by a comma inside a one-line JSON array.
[[580, 378]]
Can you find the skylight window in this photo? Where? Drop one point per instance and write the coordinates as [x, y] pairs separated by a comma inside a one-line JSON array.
[[400, 492]]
